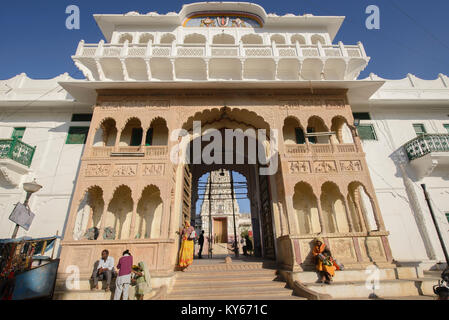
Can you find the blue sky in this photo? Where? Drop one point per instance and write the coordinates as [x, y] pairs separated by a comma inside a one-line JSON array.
[[412, 38]]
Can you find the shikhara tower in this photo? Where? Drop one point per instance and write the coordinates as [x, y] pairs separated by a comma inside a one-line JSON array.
[[230, 65]]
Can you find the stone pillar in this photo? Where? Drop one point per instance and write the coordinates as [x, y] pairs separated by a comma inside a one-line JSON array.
[[132, 228], [103, 217], [348, 215], [117, 140], [321, 216]]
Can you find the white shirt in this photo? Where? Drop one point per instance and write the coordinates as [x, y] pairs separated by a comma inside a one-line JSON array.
[[108, 264]]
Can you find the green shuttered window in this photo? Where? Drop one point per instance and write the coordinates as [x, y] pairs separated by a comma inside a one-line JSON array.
[[18, 133], [366, 132], [77, 135]]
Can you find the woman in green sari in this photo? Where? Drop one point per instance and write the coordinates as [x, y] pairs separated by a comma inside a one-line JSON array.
[[143, 280]]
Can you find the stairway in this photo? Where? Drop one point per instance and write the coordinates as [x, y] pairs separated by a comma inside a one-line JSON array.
[[393, 283], [240, 280]]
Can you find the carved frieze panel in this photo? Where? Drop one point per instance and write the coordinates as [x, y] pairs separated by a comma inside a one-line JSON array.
[[98, 170], [372, 249], [295, 104], [324, 166], [116, 104], [351, 165], [335, 103], [153, 169], [125, 170], [299, 167], [343, 249]]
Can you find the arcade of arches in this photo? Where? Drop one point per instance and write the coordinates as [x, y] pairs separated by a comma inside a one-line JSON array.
[[134, 193]]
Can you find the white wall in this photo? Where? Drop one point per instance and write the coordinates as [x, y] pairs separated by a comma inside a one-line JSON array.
[[393, 126], [54, 165]]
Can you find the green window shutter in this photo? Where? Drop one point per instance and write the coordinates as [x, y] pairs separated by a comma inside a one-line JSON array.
[[300, 138], [419, 129], [81, 117], [446, 126], [77, 135], [18, 133], [136, 137], [149, 137], [361, 115], [366, 132], [447, 216], [311, 139]]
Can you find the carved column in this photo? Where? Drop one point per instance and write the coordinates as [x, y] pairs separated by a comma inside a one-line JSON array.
[[348, 215], [321, 216]]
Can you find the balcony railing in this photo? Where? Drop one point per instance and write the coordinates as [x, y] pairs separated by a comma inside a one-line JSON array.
[[425, 144], [149, 151], [17, 150], [294, 150], [102, 50]]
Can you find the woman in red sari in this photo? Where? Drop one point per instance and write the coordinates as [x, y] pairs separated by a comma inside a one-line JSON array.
[[187, 245], [323, 261]]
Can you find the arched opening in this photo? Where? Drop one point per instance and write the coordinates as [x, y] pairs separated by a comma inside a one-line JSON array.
[[131, 134], [318, 38], [333, 207], [118, 217], [146, 37], [124, 37], [167, 38], [292, 131], [89, 215], [195, 38], [251, 39], [317, 132], [361, 208], [342, 131], [298, 38], [106, 134], [306, 209], [223, 39], [157, 134], [149, 214], [229, 143], [278, 39]]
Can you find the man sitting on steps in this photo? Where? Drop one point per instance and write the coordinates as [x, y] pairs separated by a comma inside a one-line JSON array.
[[105, 270]]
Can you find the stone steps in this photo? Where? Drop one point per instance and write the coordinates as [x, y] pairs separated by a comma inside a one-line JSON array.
[[236, 281], [387, 288]]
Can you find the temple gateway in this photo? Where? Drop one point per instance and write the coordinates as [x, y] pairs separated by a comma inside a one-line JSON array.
[[321, 153]]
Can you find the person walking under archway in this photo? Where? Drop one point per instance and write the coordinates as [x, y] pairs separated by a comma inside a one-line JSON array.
[[186, 251]]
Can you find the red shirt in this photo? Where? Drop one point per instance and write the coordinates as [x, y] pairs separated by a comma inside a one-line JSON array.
[[125, 265]]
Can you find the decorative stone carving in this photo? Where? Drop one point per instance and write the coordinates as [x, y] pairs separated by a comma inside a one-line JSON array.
[[343, 249], [125, 170], [374, 249], [324, 166], [295, 104], [153, 169], [98, 170], [350, 165], [335, 103], [114, 104], [299, 166]]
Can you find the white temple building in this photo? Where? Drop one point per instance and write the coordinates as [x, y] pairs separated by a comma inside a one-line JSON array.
[[353, 152]]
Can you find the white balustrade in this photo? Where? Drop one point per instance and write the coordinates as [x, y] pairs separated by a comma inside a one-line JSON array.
[[240, 50]]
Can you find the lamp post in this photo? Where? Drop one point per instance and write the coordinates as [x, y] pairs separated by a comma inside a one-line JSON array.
[[30, 188]]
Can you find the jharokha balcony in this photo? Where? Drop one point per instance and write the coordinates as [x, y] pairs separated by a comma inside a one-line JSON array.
[[205, 61], [15, 160], [428, 151], [17, 151]]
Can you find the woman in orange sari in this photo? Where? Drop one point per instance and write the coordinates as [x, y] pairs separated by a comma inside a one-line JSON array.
[[187, 245], [323, 261]]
